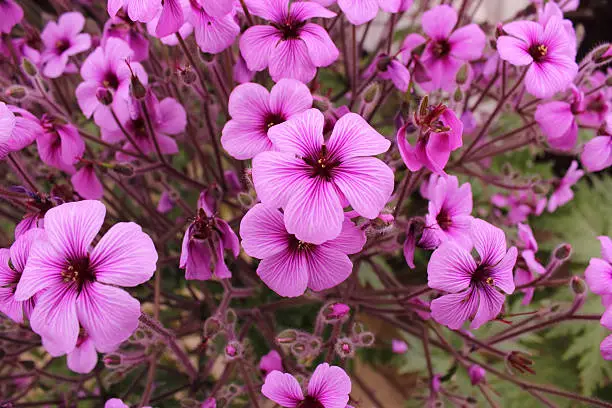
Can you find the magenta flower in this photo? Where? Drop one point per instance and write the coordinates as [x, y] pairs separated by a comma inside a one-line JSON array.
[[166, 203], [21, 126], [117, 403], [131, 33], [446, 49], [563, 193], [557, 119], [7, 123], [597, 152], [271, 362], [387, 67], [63, 40], [255, 111], [449, 216], [313, 180], [544, 50], [598, 274], [213, 32], [440, 133], [527, 266], [399, 346], [167, 117], [477, 374], [86, 183], [175, 11], [472, 285], [77, 285], [59, 144], [290, 46], [11, 13], [205, 242], [84, 357], [290, 265], [107, 68], [137, 10], [12, 264], [520, 205], [328, 387], [361, 11]]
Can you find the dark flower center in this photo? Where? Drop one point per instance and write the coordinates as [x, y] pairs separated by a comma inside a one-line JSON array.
[[273, 119], [140, 129], [538, 52], [203, 226], [78, 271], [62, 45], [596, 105], [444, 220], [322, 164], [440, 48], [295, 245], [290, 30], [482, 275], [310, 402], [111, 80]]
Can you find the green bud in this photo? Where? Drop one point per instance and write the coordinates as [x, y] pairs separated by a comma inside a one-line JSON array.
[[16, 92], [462, 74], [371, 93], [578, 285], [29, 68]]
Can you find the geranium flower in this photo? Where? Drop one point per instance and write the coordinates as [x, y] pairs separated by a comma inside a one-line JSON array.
[[22, 131], [11, 13], [313, 180], [597, 152], [328, 387], [63, 40], [213, 32], [598, 274], [563, 193], [472, 285], [77, 285], [387, 67], [290, 265], [255, 111], [271, 362], [290, 46], [137, 10], [557, 119], [544, 50], [59, 144], [123, 28], [361, 11]]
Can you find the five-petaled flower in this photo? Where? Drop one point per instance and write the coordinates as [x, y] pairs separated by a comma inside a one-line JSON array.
[[63, 40]]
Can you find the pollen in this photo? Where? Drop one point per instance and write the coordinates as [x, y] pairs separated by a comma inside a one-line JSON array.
[[490, 281]]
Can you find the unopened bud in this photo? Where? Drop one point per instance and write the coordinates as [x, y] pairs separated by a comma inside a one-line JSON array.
[[562, 252], [212, 326], [104, 96], [458, 95], [245, 200], [336, 311], [28, 67], [462, 74], [188, 76], [230, 316], [601, 53], [344, 348], [124, 169], [541, 188], [578, 286], [288, 336], [137, 89], [16, 92], [423, 106], [112, 360], [371, 93], [476, 373], [233, 349], [499, 30], [366, 339], [609, 81]]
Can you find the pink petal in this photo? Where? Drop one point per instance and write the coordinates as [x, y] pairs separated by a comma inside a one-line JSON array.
[[195, 259], [273, 10], [467, 42], [453, 309], [228, 237], [257, 44], [8, 305], [350, 241], [305, 10], [398, 74], [250, 103], [86, 183], [244, 140], [528, 31], [314, 212], [125, 256], [490, 242], [171, 18], [114, 6], [21, 248], [86, 97], [598, 276], [555, 118], [606, 248], [263, 232], [606, 348], [218, 8], [514, 50], [353, 137], [450, 268], [43, 269], [83, 358], [302, 135], [283, 389], [291, 59], [108, 314], [214, 35], [320, 46], [395, 6], [606, 318], [172, 117], [545, 79], [502, 272], [491, 302], [7, 123], [359, 11], [142, 10], [277, 176], [330, 385], [327, 267], [597, 153], [289, 97], [286, 273], [271, 362], [439, 22]]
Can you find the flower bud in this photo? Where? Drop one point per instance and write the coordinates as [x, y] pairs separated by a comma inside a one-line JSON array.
[[601, 53], [366, 339], [16, 92], [124, 169], [321, 104], [28, 67], [371, 93], [578, 285], [112, 360], [288, 336], [399, 346], [137, 89], [230, 317], [462, 74], [562, 252], [476, 373], [104, 96], [245, 200], [344, 348], [336, 311], [212, 326], [233, 350], [458, 95], [188, 75]]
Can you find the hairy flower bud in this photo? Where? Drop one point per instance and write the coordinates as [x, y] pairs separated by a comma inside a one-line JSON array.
[[233, 350], [371, 93], [562, 252], [476, 373], [212, 326], [462, 74], [28, 67], [578, 285], [335, 311], [288, 336], [16, 92], [112, 360], [601, 53], [124, 169], [137, 89], [344, 348]]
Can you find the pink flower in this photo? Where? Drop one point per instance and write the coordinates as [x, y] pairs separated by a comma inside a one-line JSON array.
[[527, 266], [329, 387], [361, 11], [167, 118], [12, 264], [472, 286], [290, 265], [23, 130], [520, 205], [86, 183], [11, 14], [77, 285], [255, 111], [389, 68], [544, 50], [166, 203], [477, 374], [313, 180], [107, 68], [271, 362], [446, 49], [84, 357], [399, 346], [137, 10], [449, 216], [557, 119], [213, 32], [597, 152], [440, 133], [63, 40], [290, 47], [563, 192], [209, 403], [205, 242], [117, 403], [59, 144], [130, 32], [598, 274]]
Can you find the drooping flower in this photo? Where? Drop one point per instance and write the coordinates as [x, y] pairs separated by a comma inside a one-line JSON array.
[[11, 13], [563, 192], [399, 346], [255, 111], [448, 50], [63, 40], [138, 10], [12, 264], [167, 117], [23, 132], [544, 50], [450, 209], [598, 274], [313, 179], [477, 374], [87, 184], [77, 285], [205, 242], [271, 362], [213, 32], [440, 133], [7, 123], [290, 46], [328, 387], [527, 266], [597, 152], [107, 67], [123, 28], [557, 119], [472, 285], [390, 68], [59, 144], [290, 265], [361, 11]]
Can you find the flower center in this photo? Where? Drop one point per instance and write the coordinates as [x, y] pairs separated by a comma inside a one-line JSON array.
[[440, 48], [444, 220], [482, 276], [62, 45], [290, 29], [273, 119], [538, 52], [322, 164], [140, 129], [596, 105], [110, 80], [78, 271], [203, 226], [310, 402], [296, 245]]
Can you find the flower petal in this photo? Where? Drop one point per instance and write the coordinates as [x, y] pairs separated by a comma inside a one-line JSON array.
[[491, 302], [350, 241], [439, 22], [285, 272], [86, 183], [330, 386], [606, 248], [502, 272], [321, 48], [289, 97], [327, 267], [302, 135], [277, 175], [257, 44], [354, 137], [598, 276], [490, 242], [291, 59], [467, 42], [453, 309], [359, 11], [83, 358], [513, 50], [283, 389], [450, 268], [263, 232]]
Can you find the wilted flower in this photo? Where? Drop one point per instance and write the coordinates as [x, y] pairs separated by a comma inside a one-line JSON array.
[[59, 144]]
